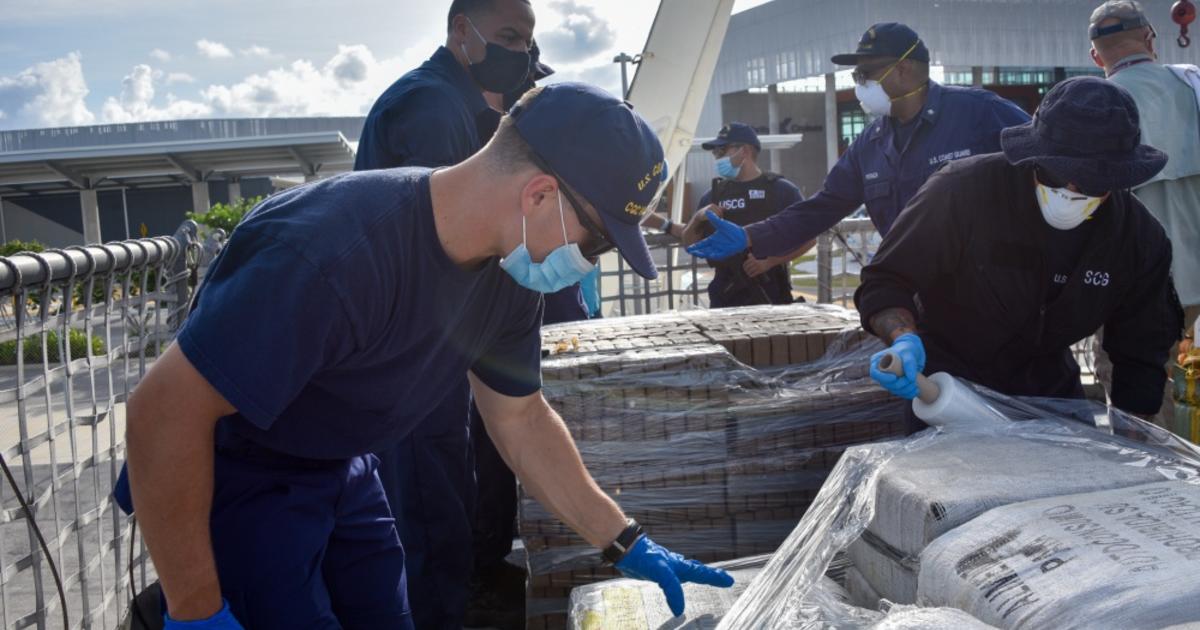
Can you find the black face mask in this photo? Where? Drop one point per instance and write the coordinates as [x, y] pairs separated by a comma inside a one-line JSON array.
[[502, 70], [537, 72]]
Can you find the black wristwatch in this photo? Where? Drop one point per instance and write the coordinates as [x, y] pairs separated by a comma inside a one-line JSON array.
[[666, 226], [625, 540]]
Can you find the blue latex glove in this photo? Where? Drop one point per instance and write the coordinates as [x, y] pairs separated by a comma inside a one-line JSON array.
[[222, 620], [645, 560], [727, 240], [912, 357]]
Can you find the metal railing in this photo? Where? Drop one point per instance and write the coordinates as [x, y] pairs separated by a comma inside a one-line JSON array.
[[842, 252], [78, 329], [683, 280]]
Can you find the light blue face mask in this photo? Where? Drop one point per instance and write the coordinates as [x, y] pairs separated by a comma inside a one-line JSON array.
[[562, 268], [726, 169]]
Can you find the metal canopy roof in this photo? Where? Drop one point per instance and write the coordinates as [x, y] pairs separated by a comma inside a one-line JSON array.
[[134, 165]]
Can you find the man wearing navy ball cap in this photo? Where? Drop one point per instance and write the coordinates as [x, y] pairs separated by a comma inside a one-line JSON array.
[[918, 125], [338, 314]]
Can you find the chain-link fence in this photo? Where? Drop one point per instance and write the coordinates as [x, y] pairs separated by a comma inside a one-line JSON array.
[[830, 276], [78, 329]]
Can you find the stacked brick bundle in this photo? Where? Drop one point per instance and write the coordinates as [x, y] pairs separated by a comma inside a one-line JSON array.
[[714, 429]]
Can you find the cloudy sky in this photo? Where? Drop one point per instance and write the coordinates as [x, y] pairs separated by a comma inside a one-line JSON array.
[[78, 62]]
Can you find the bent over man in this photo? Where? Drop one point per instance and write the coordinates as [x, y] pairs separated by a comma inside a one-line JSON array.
[[339, 314]]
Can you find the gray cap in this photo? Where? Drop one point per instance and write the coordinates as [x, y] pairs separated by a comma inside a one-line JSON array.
[[1128, 12]]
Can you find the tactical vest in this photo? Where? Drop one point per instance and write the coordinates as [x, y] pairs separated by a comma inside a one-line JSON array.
[[744, 203]]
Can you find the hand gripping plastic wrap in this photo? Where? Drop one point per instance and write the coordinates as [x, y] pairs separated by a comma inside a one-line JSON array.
[[1045, 514], [718, 459]]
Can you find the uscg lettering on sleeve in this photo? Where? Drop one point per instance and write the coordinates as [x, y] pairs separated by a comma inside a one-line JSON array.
[[950, 155]]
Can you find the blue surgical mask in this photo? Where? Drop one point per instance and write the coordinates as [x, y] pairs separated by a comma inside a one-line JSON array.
[[564, 266], [726, 169]]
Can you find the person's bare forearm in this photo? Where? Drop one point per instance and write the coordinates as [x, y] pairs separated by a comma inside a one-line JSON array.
[[890, 323], [170, 463], [542, 454], [799, 251], [792, 255], [693, 232]]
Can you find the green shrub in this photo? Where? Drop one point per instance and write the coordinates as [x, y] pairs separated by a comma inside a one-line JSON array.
[[225, 216], [16, 247], [33, 348]]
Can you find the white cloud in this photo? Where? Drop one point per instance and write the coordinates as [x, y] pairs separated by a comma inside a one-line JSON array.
[[136, 102], [179, 77], [347, 84], [137, 93], [47, 94], [160, 55], [580, 35], [256, 51], [213, 50]]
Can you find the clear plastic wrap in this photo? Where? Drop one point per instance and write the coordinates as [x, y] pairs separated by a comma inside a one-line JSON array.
[[788, 592], [717, 458]]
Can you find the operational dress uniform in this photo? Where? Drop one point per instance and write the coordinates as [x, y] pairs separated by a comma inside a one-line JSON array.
[[744, 203], [885, 166], [883, 173], [436, 116]]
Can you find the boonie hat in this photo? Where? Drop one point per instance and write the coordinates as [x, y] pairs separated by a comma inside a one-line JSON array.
[[886, 39], [734, 133], [1086, 132], [604, 150]]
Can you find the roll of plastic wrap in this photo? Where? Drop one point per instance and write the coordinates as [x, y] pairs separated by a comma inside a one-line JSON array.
[[956, 405]]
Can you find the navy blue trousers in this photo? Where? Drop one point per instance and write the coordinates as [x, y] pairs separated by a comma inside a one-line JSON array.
[[429, 479], [304, 543]]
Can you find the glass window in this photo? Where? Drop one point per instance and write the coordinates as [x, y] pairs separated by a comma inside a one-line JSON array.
[[851, 123]]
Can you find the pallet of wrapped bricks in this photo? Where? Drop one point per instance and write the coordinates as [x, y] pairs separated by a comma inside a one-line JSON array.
[[718, 460], [758, 336]]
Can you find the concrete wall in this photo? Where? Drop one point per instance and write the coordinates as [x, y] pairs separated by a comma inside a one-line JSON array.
[[24, 224]]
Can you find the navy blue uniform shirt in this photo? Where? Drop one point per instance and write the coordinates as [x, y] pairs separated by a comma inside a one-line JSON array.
[[436, 116], [955, 122], [334, 321], [428, 117]]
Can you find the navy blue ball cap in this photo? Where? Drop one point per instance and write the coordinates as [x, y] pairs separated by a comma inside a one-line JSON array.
[[604, 150], [886, 39], [733, 133]]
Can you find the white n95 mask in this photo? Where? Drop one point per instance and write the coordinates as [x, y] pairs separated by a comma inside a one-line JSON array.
[[874, 100], [1064, 209]]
